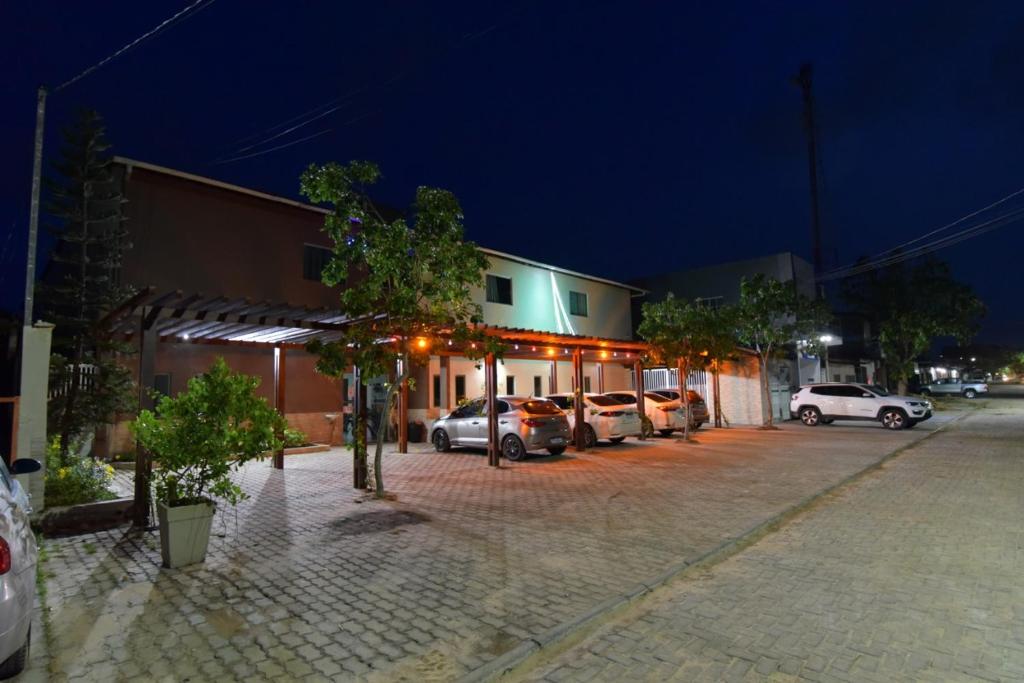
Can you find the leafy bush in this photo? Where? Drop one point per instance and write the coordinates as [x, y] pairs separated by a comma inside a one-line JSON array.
[[80, 480], [201, 435], [294, 438]]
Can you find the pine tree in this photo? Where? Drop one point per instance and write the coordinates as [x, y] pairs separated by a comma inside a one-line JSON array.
[[82, 285]]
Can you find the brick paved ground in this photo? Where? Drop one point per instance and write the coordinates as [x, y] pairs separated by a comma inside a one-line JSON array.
[[911, 574], [306, 581]]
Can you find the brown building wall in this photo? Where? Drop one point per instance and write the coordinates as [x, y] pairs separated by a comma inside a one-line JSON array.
[[194, 237]]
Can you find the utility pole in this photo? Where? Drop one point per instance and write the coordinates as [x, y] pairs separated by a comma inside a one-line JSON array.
[[33, 216], [803, 79]]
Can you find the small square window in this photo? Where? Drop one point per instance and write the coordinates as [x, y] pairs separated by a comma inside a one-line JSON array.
[[499, 290], [314, 260], [510, 385], [437, 391], [460, 387], [586, 384], [578, 303], [537, 389]]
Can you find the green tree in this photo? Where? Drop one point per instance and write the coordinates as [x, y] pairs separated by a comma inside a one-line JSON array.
[[717, 334], [403, 285], [201, 435], [673, 329], [85, 203], [772, 314], [940, 307]]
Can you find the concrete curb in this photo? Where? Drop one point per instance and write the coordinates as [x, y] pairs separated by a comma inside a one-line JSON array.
[[559, 637]]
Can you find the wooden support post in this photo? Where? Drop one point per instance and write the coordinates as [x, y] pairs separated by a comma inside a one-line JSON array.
[[553, 381], [279, 394], [491, 385], [577, 372], [148, 340], [359, 472], [641, 406], [403, 412]]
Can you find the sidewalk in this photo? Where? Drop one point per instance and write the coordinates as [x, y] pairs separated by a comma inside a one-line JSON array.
[[308, 579], [911, 574]]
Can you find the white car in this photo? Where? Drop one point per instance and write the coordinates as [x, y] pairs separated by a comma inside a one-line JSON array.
[[18, 556], [605, 417], [666, 414], [818, 404]]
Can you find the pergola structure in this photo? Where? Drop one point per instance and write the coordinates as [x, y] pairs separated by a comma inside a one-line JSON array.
[[151, 317]]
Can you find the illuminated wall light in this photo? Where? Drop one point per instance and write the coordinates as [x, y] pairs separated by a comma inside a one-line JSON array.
[[533, 348], [473, 345], [517, 347], [615, 354], [185, 336], [421, 343], [551, 352], [604, 354]]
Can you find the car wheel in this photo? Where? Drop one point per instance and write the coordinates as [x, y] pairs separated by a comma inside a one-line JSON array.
[[589, 436], [695, 426], [617, 439], [512, 448], [557, 450], [442, 444], [665, 432], [15, 664], [894, 418], [810, 416], [970, 393]]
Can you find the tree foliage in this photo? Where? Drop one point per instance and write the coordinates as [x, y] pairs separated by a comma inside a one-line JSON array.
[[911, 305], [717, 332], [676, 332], [405, 284], [201, 435], [85, 203], [772, 314]]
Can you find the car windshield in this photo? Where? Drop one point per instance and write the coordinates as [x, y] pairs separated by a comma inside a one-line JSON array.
[[881, 391], [674, 395], [538, 407], [603, 401], [657, 398]]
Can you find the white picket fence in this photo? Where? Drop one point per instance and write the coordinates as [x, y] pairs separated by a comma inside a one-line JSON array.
[[87, 378]]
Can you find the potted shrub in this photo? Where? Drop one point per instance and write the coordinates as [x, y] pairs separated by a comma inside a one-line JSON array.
[[196, 440]]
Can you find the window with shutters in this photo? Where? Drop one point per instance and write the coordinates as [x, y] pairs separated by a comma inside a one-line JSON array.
[[578, 303]]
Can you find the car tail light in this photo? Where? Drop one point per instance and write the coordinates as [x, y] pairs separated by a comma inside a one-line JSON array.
[[5, 557], [533, 422], [612, 413], [667, 409]]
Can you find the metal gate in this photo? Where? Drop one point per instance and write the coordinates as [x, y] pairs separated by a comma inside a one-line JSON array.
[[661, 378]]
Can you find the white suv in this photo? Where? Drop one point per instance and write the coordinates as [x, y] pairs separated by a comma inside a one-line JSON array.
[[822, 403]]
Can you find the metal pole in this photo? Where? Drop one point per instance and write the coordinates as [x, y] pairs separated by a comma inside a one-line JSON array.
[[33, 216], [579, 411], [803, 79], [279, 398]]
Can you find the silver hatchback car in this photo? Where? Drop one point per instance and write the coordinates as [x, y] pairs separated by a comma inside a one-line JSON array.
[[18, 555], [524, 424]]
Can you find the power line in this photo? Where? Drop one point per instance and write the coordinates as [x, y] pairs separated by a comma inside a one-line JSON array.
[[272, 149], [941, 243], [166, 23]]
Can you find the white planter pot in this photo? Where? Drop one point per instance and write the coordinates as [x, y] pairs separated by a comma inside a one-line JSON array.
[[184, 533]]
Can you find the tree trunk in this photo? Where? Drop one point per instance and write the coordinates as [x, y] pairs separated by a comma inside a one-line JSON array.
[[684, 374], [716, 369], [766, 384], [901, 387], [378, 456]]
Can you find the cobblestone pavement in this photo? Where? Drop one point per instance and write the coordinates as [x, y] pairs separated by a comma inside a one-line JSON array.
[[308, 580], [913, 573]]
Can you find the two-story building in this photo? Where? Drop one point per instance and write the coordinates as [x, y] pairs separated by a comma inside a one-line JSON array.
[[223, 270]]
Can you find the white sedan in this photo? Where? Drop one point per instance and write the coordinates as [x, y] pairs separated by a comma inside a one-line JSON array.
[[605, 418], [666, 415]]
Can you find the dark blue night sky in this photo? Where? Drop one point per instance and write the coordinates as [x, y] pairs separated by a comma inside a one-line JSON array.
[[613, 138]]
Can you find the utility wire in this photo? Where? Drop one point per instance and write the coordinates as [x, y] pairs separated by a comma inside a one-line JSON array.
[[166, 23], [272, 149], [941, 243]]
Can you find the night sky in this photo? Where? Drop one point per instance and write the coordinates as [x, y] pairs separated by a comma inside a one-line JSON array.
[[614, 138]]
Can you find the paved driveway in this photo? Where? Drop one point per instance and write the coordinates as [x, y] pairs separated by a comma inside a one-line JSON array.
[[911, 574], [310, 579]]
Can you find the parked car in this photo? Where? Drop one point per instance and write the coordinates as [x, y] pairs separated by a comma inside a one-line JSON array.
[[18, 556], [955, 387], [697, 405], [605, 418], [666, 414], [524, 424], [818, 404]]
